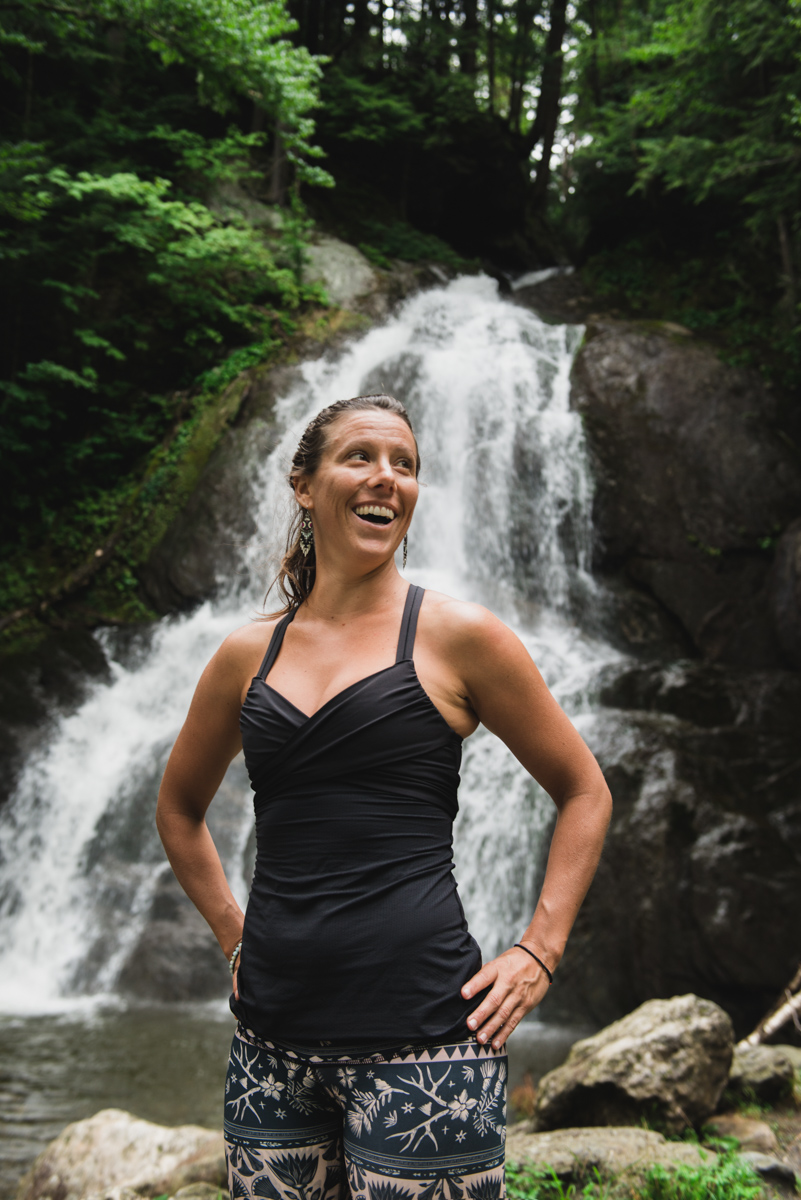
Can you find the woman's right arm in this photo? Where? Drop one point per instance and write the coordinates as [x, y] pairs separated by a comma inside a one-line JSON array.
[[207, 743]]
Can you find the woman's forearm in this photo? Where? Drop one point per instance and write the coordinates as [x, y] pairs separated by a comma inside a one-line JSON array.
[[517, 982], [576, 846], [196, 863]]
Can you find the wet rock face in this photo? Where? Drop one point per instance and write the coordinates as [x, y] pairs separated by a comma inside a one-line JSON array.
[[175, 957], [668, 1060], [692, 483], [785, 593], [200, 553], [700, 879], [39, 685]]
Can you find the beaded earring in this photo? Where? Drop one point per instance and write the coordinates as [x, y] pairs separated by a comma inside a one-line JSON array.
[[405, 549], [306, 533]]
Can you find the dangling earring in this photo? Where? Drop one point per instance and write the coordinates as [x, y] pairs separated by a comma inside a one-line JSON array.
[[405, 549], [306, 533]]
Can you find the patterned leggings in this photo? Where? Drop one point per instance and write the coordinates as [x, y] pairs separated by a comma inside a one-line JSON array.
[[324, 1124]]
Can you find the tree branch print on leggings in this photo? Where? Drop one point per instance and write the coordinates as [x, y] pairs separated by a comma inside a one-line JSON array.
[[412, 1124]]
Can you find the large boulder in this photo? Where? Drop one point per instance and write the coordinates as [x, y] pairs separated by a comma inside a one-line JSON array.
[[700, 879], [668, 1061], [693, 479], [342, 269], [576, 1154], [114, 1150]]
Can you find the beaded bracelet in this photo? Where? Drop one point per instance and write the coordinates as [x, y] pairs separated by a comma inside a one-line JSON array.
[[234, 956], [520, 946]]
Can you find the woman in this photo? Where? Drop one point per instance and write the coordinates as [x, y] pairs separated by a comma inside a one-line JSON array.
[[369, 1053]]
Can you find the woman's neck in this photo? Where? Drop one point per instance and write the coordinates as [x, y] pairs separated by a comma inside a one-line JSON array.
[[340, 596]]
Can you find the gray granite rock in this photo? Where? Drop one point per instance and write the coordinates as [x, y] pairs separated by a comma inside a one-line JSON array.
[[692, 480], [751, 1135], [770, 1168], [113, 1152], [763, 1073], [576, 1153], [668, 1062], [703, 855], [342, 269]]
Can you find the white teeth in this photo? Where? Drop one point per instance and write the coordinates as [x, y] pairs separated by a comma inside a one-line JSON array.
[[374, 510]]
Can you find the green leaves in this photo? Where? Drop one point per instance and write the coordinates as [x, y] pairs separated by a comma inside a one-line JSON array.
[[137, 244]]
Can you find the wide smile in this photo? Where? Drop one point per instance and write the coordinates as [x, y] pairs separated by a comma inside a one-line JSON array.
[[375, 514]]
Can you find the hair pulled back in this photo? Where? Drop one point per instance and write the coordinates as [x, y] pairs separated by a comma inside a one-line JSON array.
[[295, 578]]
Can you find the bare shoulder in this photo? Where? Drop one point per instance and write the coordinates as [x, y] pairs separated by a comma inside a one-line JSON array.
[[466, 629], [249, 638], [239, 656]]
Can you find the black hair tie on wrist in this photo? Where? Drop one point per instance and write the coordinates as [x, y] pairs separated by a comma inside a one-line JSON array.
[[520, 946]]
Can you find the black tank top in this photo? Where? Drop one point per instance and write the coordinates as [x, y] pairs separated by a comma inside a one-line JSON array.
[[354, 931]]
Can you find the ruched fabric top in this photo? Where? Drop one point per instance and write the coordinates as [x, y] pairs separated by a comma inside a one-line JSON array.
[[354, 931]]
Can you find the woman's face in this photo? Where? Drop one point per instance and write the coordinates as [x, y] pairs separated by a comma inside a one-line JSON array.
[[363, 493]]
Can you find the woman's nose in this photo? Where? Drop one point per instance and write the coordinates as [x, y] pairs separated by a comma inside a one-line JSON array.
[[383, 474]]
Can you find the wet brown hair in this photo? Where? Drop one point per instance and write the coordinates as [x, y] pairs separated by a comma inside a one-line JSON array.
[[295, 578]]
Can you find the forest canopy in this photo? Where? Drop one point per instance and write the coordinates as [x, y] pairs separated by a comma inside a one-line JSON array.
[[163, 159]]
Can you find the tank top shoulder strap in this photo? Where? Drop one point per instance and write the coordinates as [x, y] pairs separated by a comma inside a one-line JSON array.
[[275, 644], [408, 629]]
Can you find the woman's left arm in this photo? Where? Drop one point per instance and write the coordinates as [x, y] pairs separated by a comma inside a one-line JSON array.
[[508, 694]]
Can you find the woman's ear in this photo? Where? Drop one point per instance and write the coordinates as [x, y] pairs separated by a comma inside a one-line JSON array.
[[301, 485]]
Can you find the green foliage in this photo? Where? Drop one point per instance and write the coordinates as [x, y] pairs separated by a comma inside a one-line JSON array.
[[145, 268], [377, 111], [533, 1182], [398, 239], [232, 48], [727, 1178], [688, 189]]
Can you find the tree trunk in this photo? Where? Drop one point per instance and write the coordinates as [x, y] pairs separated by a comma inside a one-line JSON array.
[[115, 44], [548, 106], [788, 268], [26, 114], [524, 20], [279, 170], [595, 69], [491, 54], [312, 33], [358, 37], [786, 1008], [468, 44]]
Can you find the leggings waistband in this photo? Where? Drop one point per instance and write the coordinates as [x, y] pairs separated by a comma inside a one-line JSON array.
[[324, 1052]]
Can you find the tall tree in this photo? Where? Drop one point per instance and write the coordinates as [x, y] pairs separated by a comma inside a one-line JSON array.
[[546, 120]]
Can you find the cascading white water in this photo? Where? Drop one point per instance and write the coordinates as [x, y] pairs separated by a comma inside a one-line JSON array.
[[504, 519]]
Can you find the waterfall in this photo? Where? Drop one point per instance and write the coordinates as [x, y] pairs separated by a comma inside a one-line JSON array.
[[503, 519]]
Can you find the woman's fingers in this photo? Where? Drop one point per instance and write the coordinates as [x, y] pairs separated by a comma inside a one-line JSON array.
[[503, 1021], [481, 979], [235, 979], [517, 988]]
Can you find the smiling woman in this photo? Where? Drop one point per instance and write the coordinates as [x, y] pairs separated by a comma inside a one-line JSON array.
[[369, 1055], [298, 569]]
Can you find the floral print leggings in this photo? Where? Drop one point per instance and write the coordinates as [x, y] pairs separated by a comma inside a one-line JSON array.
[[415, 1123]]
